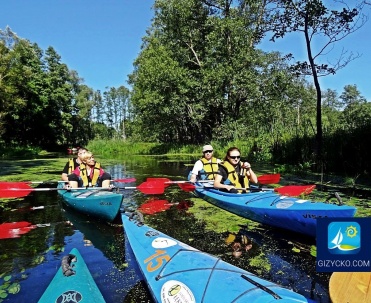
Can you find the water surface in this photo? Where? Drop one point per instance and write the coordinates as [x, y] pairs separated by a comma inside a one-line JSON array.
[[28, 263]]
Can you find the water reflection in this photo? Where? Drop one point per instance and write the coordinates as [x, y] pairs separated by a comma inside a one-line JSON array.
[[239, 242], [34, 258]]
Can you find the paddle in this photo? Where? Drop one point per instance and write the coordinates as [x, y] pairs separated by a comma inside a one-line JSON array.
[[166, 182], [350, 287], [126, 180], [290, 190], [295, 190], [20, 189], [187, 186], [269, 179]]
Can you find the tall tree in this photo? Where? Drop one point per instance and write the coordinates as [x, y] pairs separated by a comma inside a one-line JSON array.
[[123, 110], [314, 20], [198, 69], [351, 95], [23, 91], [58, 86]]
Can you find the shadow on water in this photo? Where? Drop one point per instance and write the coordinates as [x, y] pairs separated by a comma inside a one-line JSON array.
[[33, 258], [119, 280]]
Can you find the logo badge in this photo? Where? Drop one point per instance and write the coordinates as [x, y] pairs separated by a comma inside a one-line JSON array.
[[344, 238], [343, 244]]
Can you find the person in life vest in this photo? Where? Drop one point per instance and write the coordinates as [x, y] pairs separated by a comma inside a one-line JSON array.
[[206, 167], [89, 174], [232, 174], [73, 163]]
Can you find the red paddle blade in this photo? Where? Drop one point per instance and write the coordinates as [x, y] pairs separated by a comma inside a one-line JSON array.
[[187, 186], [15, 229], [269, 179], [162, 181], [295, 190], [154, 206], [14, 189], [126, 180], [151, 188]]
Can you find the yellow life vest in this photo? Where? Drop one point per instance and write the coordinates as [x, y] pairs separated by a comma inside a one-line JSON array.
[[210, 168], [234, 178], [84, 176], [71, 166]]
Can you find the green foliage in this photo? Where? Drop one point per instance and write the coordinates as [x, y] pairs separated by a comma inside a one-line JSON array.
[[199, 72], [8, 151], [37, 90], [313, 251], [198, 79], [261, 264]]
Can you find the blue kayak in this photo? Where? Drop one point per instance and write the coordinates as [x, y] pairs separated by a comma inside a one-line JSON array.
[[100, 203], [72, 283], [178, 273], [277, 210]]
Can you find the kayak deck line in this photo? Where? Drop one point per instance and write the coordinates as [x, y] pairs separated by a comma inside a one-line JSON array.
[[214, 269], [265, 288]]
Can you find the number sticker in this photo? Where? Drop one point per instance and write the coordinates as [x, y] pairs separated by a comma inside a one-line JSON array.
[[159, 257]]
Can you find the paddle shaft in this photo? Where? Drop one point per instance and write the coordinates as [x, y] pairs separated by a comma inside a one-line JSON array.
[[18, 190], [52, 189], [290, 190], [126, 180], [168, 181], [246, 188]]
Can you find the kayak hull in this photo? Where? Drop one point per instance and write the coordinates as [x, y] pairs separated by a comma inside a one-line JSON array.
[[177, 272], [99, 203], [79, 287], [270, 208]]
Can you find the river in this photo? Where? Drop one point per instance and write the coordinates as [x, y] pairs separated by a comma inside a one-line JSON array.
[[30, 261]]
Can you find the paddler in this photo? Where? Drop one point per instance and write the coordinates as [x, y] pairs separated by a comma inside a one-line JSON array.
[[89, 173], [233, 174], [206, 167]]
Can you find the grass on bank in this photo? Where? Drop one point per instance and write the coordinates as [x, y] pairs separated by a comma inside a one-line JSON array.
[[119, 149]]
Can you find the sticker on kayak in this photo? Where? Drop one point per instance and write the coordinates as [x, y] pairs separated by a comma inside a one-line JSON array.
[[151, 233], [176, 292], [69, 296], [282, 204], [163, 242]]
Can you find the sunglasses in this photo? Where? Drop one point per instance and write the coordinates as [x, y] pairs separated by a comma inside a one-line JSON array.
[[235, 157], [208, 151]]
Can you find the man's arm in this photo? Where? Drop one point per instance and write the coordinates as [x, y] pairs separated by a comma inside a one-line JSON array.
[[65, 172], [196, 168]]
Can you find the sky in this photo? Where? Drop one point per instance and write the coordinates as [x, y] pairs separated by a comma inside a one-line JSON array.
[[100, 39]]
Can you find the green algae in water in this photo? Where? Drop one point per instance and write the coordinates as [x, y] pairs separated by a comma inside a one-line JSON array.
[[260, 264], [218, 220]]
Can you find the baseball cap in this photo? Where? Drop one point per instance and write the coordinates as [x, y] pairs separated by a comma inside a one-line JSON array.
[[207, 147]]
